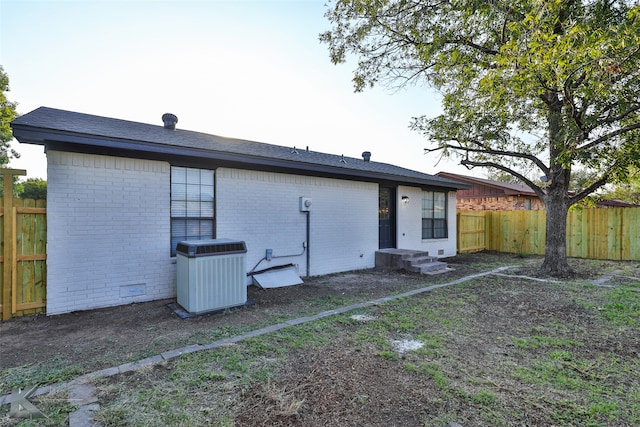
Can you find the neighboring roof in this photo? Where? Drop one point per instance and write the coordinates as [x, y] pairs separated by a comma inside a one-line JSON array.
[[508, 188], [78, 132], [616, 203]]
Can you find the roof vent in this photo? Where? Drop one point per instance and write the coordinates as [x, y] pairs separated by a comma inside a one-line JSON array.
[[366, 155], [169, 120]]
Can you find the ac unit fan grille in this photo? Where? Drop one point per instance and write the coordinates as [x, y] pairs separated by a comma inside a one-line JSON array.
[[194, 249]]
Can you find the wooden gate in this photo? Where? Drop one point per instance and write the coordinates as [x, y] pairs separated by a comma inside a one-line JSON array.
[[23, 234], [471, 231]]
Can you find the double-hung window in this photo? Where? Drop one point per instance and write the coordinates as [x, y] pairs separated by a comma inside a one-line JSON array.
[[192, 205], [434, 215]]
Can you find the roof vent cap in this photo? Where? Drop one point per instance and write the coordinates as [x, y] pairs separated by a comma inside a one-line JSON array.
[[169, 121], [366, 156]]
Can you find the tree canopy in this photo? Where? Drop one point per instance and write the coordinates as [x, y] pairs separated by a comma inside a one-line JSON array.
[[526, 84], [32, 188], [7, 114], [626, 191]]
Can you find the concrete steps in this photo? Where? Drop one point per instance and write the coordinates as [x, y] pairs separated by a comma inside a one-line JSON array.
[[413, 261]]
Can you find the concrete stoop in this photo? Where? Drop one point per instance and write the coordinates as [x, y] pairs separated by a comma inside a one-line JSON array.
[[409, 260]]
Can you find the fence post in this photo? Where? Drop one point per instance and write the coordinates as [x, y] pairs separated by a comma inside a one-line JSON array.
[[9, 240], [458, 232]]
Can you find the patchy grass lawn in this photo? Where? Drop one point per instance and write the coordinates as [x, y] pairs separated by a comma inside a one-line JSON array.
[[498, 350]]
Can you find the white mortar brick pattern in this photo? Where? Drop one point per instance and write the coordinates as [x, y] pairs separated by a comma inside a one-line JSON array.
[[108, 232], [263, 209], [108, 221], [410, 224]]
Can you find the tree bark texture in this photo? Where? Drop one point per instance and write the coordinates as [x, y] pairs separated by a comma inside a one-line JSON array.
[[556, 197], [555, 253]]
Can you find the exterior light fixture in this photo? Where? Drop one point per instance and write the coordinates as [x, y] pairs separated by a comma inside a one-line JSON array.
[[405, 200]]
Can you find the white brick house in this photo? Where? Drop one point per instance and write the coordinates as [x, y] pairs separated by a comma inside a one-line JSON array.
[[122, 194]]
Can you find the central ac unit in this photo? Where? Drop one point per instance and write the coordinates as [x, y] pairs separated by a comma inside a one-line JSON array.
[[211, 274]]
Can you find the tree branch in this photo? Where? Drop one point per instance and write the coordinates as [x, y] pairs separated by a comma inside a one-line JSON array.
[[590, 189], [487, 150], [475, 46], [605, 138], [536, 188], [622, 115]]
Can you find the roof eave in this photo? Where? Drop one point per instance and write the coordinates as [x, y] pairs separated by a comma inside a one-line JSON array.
[[51, 138], [520, 193]]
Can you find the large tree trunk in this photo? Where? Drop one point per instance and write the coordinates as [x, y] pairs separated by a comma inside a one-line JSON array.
[[556, 196], [555, 253]]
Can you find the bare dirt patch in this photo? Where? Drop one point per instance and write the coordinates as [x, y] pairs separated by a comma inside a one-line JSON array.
[[342, 386], [102, 338]]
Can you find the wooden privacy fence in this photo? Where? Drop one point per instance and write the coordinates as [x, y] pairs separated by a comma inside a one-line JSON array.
[[591, 233], [24, 280], [23, 240]]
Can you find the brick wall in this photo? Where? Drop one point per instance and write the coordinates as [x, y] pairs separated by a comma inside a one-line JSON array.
[[108, 232], [410, 224], [262, 209], [108, 225], [506, 203]]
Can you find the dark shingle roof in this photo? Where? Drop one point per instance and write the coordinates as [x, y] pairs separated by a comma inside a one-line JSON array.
[[66, 130], [507, 187]]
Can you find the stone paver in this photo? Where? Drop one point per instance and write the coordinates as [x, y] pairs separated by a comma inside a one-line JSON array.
[[84, 396]]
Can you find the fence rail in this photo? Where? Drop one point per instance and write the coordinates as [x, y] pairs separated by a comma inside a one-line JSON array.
[[595, 233]]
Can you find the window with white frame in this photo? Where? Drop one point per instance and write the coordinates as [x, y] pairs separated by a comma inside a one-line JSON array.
[[192, 207], [434, 215]]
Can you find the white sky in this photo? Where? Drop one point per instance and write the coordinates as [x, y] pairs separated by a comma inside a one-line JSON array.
[[244, 69]]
